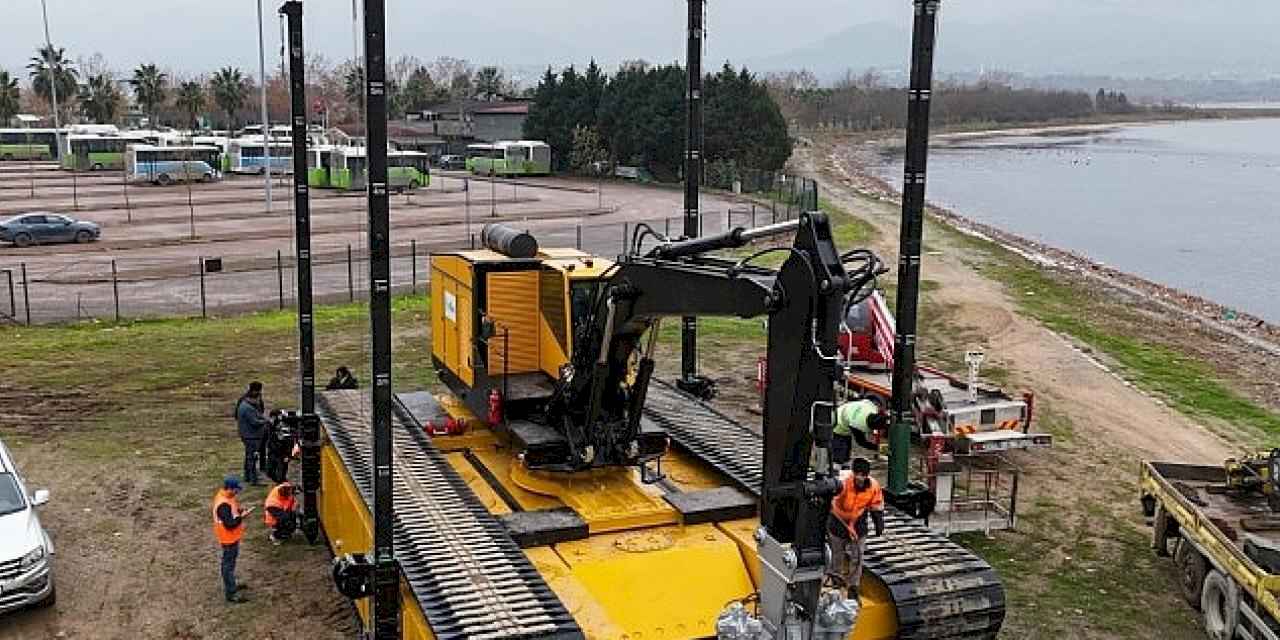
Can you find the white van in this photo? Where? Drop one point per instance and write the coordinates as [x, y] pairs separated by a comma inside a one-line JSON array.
[[26, 552]]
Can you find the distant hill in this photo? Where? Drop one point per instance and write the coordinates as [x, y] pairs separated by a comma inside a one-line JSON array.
[[1121, 42]]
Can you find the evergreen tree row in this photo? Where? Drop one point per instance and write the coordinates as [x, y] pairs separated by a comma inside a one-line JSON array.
[[637, 117]]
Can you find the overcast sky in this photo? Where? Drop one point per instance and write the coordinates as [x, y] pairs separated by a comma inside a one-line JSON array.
[[190, 35], [197, 36]]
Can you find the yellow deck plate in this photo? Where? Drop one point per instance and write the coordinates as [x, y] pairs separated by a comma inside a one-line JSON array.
[[608, 499], [629, 585]]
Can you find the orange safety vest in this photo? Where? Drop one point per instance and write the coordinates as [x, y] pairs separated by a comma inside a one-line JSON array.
[[226, 535], [274, 499], [850, 503]]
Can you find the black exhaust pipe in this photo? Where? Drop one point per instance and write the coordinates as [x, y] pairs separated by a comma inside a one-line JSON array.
[[509, 242]]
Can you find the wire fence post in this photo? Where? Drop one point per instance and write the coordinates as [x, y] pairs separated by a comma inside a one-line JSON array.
[[413, 266], [204, 310], [577, 240], [666, 227], [280, 275], [128, 208], [351, 283], [753, 215], [13, 306], [625, 227], [466, 189], [115, 288], [75, 191], [26, 293]]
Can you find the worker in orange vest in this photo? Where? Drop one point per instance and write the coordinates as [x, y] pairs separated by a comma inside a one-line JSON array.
[[280, 513], [860, 497], [228, 529]]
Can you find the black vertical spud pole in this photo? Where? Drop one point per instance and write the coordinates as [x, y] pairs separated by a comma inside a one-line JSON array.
[[386, 574], [913, 181], [692, 178], [309, 423]]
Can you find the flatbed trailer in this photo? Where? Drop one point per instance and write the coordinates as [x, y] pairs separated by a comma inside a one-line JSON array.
[[1224, 543], [994, 423], [968, 416]]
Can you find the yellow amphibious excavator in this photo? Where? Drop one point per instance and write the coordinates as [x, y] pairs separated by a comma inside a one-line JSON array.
[[559, 490]]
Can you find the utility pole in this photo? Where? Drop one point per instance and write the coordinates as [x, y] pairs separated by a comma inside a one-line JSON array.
[[913, 182], [53, 83], [690, 381], [386, 573], [266, 124], [309, 422]]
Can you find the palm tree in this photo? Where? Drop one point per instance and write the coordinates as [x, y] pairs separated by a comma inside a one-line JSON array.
[[9, 95], [149, 89], [229, 90], [48, 58], [100, 99], [190, 100]]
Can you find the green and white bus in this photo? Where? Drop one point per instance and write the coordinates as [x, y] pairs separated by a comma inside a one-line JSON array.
[[319, 162], [476, 152], [513, 158], [167, 165], [406, 170], [28, 144], [81, 152]]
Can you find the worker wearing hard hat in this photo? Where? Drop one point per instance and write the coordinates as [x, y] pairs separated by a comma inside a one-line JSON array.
[[280, 513], [228, 529], [859, 498], [855, 420]]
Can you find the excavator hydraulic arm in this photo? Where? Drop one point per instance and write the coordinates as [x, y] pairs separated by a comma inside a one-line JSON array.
[[601, 392]]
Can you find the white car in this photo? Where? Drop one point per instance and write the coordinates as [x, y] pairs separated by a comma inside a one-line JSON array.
[[26, 552]]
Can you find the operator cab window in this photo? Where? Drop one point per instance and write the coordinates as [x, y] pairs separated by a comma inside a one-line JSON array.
[[582, 295]]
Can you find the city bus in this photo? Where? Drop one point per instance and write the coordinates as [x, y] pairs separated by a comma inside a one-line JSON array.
[[247, 155], [475, 152], [406, 170], [95, 152], [28, 144], [513, 158], [215, 141], [319, 162], [166, 165]]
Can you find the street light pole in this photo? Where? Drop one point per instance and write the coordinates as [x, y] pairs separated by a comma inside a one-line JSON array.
[[266, 126], [53, 80]]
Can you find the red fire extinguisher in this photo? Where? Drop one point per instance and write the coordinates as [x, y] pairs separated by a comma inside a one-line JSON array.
[[495, 407]]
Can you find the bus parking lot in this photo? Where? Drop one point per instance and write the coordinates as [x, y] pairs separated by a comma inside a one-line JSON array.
[[157, 240]]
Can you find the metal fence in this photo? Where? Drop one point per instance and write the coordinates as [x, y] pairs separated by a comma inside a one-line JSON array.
[[122, 288], [795, 193]]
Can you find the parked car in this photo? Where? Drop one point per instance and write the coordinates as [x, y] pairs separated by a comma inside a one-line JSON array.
[[452, 162], [40, 227], [26, 552]]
